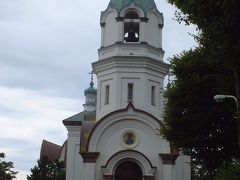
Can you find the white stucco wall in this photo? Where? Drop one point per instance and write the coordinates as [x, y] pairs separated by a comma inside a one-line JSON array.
[[118, 73], [110, 35], [107, 139], [153, 33]]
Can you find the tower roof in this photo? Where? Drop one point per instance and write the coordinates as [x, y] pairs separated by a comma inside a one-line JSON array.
[[90, 90], [91, 96], [144, 4]]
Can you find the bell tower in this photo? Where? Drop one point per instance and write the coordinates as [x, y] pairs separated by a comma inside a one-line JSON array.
[[130, 65]]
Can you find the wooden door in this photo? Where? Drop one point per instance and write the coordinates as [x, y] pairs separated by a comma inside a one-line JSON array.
[[128, 171]]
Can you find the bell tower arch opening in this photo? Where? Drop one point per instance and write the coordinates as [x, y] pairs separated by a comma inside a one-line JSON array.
[[128, 171], [131, 26]]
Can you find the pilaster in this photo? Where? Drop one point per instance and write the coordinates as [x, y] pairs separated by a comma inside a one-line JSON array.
[[168, 161]]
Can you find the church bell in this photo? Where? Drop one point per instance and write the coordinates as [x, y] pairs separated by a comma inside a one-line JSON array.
[[131, 35]]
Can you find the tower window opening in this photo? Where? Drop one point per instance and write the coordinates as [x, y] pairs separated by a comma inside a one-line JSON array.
[[153, 95], [107, 94], [131, 32], [131, 15], [131, 27], [130, 92]]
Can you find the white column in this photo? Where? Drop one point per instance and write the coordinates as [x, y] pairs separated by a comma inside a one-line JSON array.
[[73, 141]]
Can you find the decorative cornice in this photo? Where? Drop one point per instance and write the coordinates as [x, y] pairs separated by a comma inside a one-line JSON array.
[[144, 19], [130, 62], [89, 157], [119, 19], [129, 45], [141, 49], [168, 159]]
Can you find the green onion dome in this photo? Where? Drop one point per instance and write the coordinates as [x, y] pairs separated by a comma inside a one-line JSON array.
[[90, 90]]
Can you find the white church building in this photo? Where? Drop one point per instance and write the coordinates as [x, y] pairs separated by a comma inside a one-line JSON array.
[[117, 137]]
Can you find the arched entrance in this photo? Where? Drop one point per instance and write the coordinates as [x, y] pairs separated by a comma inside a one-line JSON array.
[[128, 162], [128, 171]]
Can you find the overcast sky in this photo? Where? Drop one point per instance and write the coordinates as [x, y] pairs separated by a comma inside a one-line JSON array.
[[46, 51]]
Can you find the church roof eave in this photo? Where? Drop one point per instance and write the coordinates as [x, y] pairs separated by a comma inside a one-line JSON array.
[[77, 119]]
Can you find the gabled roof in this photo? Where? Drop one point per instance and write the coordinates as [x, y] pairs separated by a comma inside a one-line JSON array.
[[51, 150], [77, 119]]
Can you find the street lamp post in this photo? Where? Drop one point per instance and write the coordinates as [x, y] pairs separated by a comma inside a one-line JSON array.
[[220, 98]]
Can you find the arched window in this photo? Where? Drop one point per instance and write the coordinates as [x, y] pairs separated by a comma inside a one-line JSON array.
[[131, 27], [131, 15]]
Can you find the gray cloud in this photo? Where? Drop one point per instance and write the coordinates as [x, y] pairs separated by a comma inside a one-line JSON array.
[[49, 45], [46, 49]]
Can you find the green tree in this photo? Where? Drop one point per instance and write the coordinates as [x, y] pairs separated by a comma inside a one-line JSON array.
[[48, 170], [195, 123], [230, 172], [5, 169], [218, 23]]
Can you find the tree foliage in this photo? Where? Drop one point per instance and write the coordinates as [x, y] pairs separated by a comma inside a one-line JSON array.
[[48, 170], [218, 22], [230, 172], [6, 172], [196, 124]]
